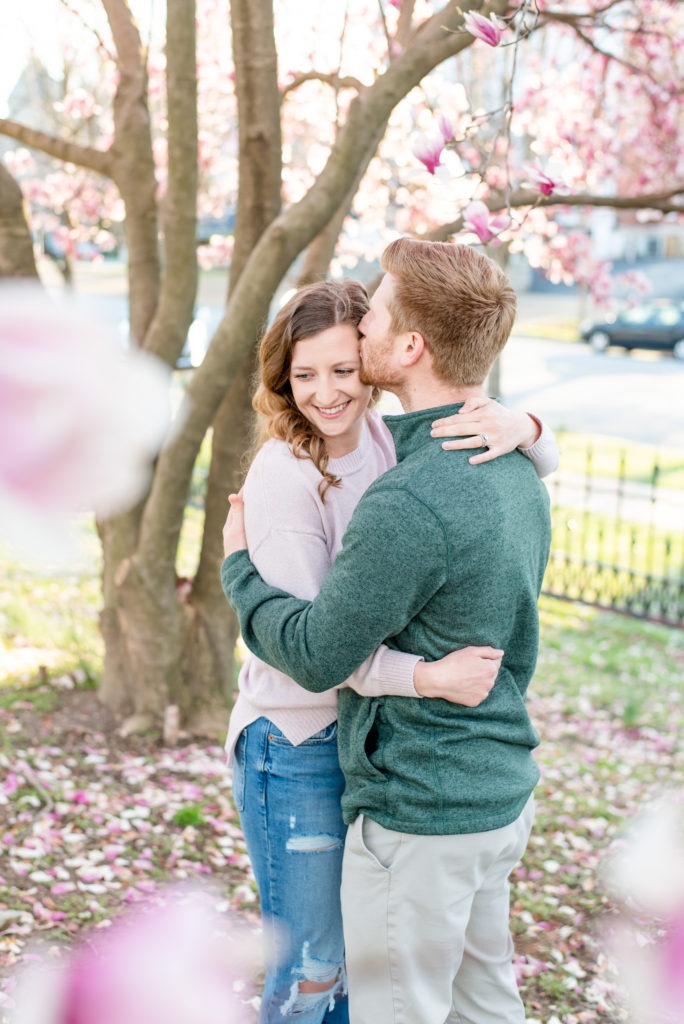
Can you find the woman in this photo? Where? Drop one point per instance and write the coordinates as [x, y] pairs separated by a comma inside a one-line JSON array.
[[322, 447]]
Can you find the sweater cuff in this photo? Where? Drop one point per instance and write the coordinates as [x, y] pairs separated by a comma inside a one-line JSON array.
[[533, 447], [544, 451], [396, 672]]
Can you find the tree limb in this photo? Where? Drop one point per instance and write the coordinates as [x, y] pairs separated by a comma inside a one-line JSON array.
[[661, 201], [70, 152], [333, 79], [133, 170], [178, 291]]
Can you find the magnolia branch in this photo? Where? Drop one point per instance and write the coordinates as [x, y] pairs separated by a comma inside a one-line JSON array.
[[405, 22], [70, 152], [664, 202], [388, 37], [76, 14], [127, 41], [593, 45], [333, 79]]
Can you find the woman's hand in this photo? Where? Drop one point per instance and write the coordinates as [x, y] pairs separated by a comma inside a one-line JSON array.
[[489, 426], [462, 677], [234, 536]]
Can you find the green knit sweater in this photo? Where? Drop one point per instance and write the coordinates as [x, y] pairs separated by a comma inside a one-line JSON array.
[[439, 554]]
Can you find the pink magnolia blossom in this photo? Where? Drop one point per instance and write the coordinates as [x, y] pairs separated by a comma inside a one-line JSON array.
[[428, 149], [80, 420], [673, 964], [174, 963], [646, 875], [447, 129], [478, 219], [539, 179], [489, 30]]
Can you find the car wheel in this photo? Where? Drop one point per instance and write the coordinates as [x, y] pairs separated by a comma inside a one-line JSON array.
[[599, 341], [678, 349]]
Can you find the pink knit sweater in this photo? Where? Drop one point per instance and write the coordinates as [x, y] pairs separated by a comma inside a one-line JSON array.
[[293, 537]]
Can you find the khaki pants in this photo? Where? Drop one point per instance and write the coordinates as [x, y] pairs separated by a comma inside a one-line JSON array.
[[426, 925]]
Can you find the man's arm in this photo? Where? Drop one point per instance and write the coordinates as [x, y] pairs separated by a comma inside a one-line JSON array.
[[392, 562]]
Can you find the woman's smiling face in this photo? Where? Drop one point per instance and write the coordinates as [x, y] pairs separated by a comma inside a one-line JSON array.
[[324, 377]]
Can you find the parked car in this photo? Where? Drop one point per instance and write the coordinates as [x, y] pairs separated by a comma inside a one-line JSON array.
[[654, 325]]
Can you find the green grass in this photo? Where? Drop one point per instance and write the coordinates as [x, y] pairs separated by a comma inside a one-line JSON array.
[[636, 546], [615, 663], [190, 815], [613, 458], [50, 618]]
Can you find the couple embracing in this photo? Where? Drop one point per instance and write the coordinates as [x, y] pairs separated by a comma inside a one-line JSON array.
[[387, 587]]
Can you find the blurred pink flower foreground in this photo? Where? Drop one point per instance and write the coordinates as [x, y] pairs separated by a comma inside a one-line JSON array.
[[646, 875], [80, 420], [178, 963]]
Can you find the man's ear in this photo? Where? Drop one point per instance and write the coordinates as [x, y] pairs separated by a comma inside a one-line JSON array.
[[413, 348]]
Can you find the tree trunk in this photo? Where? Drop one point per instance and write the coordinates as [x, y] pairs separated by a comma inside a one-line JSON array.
[[211, 642], [321, 251], [147, 616], [16, 247]]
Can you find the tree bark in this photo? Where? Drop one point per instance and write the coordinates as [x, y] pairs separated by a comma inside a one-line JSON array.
[[16, 246], [133, 169], [260, 172], [321, 251], [147, 617]]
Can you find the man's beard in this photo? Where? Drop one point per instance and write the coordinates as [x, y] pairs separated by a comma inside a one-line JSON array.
[[377, 371]]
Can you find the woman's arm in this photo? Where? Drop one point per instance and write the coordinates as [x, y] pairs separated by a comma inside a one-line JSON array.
[[503, 429], [462, 677]]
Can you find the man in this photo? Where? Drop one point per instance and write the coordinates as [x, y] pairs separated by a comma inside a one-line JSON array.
[[439, 554]]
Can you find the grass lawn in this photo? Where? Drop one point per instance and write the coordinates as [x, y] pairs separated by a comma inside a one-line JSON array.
[[93, 824], [613, 458]]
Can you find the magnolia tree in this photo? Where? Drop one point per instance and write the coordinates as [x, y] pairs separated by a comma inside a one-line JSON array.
[[489, 122]]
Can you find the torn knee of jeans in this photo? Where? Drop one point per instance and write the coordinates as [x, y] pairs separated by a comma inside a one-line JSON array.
[[318, 982], [313, 844]]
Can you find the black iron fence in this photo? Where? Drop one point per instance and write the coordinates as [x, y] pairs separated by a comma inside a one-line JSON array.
[[618, 533]]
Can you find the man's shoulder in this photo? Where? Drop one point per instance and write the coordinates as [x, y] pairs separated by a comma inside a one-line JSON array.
[[397, 498]]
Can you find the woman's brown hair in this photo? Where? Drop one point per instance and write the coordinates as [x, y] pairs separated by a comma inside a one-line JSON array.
[[312, 309]]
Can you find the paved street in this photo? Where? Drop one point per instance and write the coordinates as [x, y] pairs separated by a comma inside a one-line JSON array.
[[638, 396]]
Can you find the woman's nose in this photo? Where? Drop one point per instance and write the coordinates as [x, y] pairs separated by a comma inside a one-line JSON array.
[[327, 391]]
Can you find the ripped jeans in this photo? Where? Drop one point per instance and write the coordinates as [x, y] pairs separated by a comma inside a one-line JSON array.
[[288, 799]]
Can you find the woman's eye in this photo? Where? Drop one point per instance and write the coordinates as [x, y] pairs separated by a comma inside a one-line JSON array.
[[344, 373], [302, 376]]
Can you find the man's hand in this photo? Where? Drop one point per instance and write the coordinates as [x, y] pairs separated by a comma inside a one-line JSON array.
[[485, 420], [234, 536], [462, 677]]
